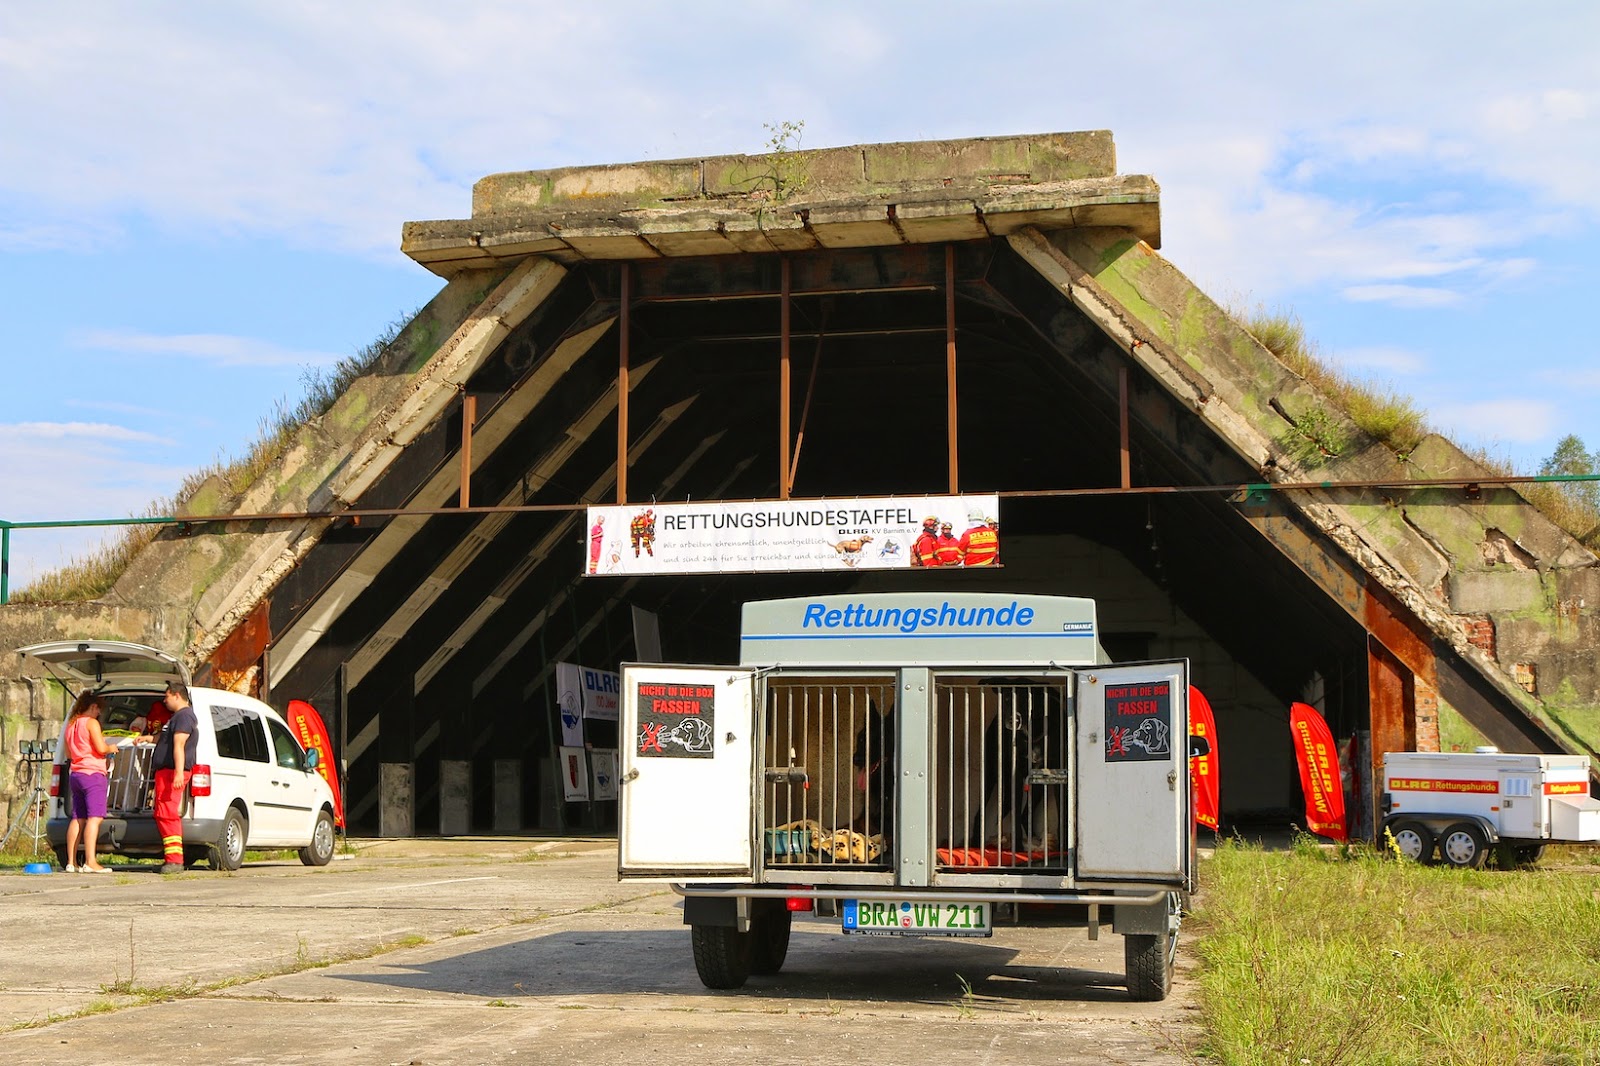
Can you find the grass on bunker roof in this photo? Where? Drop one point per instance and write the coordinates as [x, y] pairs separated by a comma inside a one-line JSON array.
[[1325, 956]]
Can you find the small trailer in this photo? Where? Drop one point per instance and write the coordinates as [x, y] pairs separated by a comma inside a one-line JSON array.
[[1467, 804], [911, 765]]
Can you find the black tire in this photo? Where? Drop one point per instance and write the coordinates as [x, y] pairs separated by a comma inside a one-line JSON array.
[[770, 926], [1464, 846], [722, 955], [194, 855], [320, 851], [1415, 841], [61, 856], [1530, 854], [228, 852], [1147, 961]]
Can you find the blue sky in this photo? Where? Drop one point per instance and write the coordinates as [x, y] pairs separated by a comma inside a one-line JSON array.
[[199, 202]]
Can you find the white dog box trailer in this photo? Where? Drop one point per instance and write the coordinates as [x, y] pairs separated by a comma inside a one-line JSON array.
[[907, 763], [1467, 803]]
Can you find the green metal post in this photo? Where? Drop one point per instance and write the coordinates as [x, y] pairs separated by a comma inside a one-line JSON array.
[[5, 563]]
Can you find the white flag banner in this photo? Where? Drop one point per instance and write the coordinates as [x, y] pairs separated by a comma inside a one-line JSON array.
[[885, 533], [600, 692], [569, 701]]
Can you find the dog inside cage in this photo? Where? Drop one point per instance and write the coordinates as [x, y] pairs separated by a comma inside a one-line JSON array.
[[998, 770]]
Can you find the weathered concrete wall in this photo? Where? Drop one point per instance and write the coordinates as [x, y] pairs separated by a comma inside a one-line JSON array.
[[1491, 576], [220, 575], [862, 196]]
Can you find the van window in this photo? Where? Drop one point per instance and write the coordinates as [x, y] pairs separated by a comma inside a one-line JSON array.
[[290, 757], [239, 734]]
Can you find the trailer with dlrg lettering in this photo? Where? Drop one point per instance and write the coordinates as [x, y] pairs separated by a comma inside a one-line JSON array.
[[910, 765], [1469, 804]]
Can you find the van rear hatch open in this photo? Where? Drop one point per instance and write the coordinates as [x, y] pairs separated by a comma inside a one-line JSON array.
[[99, 664]]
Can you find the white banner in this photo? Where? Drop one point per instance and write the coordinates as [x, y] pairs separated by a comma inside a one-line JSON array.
[[886, 533], [603, 761], [574, 774], [569, 700], [600, 688]]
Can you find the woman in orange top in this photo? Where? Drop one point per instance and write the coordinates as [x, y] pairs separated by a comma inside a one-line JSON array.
[[87, 782]]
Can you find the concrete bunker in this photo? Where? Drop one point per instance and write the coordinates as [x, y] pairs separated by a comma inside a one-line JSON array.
[[695, 330]]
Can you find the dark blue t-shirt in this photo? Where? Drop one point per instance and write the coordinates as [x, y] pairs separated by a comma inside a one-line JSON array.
[[183, 721]]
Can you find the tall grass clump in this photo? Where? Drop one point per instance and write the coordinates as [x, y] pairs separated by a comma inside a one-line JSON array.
[[94, 573], [1349, 957], [1382, 412], [1387, 415]]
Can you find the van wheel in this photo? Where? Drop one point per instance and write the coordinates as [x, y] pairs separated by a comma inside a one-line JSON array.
[[722, 955], [1530, 854], [228, 852], [769, 933], [1463, 845], [195, 855], [320, 850], [61, 856]]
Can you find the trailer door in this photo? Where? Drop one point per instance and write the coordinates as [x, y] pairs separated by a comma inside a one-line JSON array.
[[1133, 800], [687, 737]]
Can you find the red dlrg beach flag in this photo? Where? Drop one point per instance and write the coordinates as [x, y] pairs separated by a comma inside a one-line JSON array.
[[1203, 769], [312, 733], [1319, 772]]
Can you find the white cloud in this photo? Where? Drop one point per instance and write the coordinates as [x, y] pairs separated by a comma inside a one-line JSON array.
[[55, 472], [217, 348], [1514, 421], [1572, 378], [21, 432], [114, 406], [1416, 296], [1389, 360]]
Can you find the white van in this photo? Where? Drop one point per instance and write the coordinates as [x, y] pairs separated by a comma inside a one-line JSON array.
[[253, 785]]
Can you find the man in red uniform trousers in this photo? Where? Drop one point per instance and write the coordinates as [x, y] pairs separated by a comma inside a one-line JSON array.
[[925, 549], [980, 545], [172, 761]]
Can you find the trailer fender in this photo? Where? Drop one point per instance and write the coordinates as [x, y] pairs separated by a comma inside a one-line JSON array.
[[1438, 822], [730, 911], [1150, 918]]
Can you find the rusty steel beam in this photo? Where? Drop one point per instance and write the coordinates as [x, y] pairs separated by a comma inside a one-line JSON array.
[[469, 417], [623, 325], [1126, 464], [953, 447], [783, 385]]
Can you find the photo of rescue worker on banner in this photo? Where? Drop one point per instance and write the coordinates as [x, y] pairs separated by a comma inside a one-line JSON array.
[[888, 533]]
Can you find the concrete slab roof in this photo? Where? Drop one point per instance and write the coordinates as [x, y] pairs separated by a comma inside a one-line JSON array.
[[874, 195]]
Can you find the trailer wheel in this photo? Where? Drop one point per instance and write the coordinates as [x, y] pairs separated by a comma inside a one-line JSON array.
[[769, 934], [1414, 840], [1530, 854], [1148, 958], [1463, 845], [722, 955]]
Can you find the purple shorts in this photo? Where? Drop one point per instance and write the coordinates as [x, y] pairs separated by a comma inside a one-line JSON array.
[[88, 793]]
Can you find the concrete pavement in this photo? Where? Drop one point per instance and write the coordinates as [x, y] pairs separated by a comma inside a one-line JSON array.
[[472, 951]]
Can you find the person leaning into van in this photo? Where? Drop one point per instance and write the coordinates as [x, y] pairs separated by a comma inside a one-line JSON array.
[[172, 761], [87, 749]]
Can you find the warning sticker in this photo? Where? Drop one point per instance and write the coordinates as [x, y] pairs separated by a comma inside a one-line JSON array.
[[1139, 722], [676, 721]]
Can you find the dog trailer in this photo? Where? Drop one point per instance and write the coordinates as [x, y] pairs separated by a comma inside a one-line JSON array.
[[908, 764], [1466, 804]]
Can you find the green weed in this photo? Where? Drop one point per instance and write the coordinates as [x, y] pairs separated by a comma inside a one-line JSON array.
[[1311, 956]]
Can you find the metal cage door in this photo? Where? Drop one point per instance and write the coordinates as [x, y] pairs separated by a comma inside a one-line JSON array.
[[687, 740], [1134, 806]]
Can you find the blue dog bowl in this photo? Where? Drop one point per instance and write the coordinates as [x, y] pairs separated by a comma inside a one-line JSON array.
[[38, 868]]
